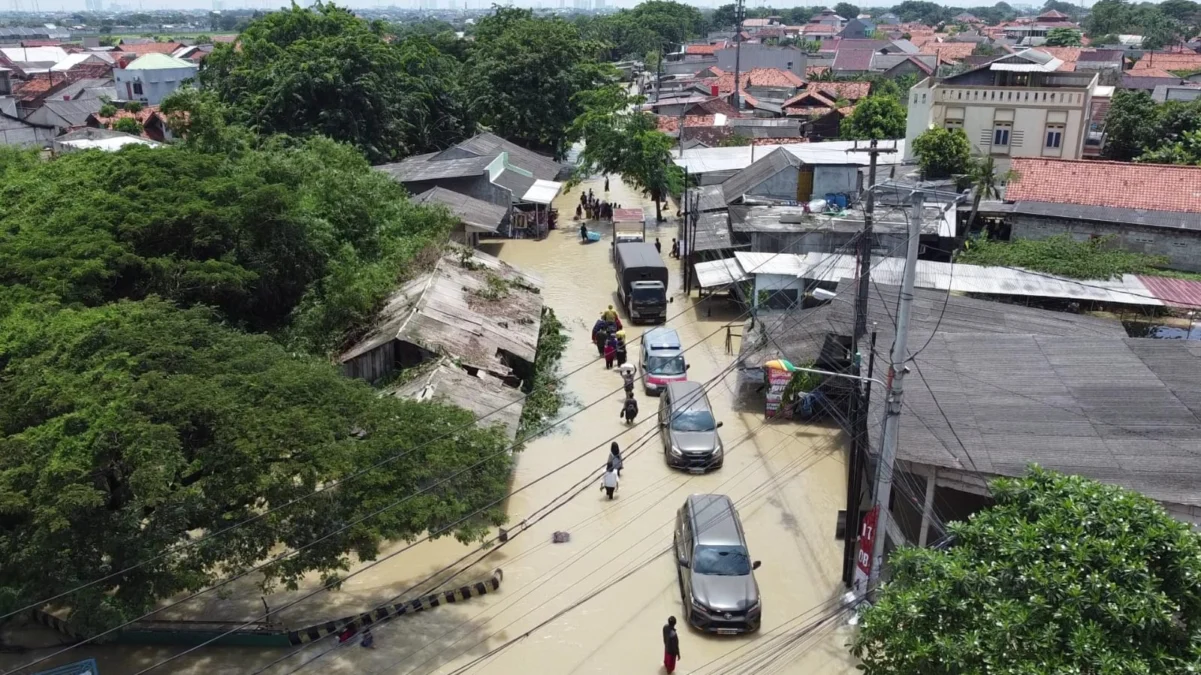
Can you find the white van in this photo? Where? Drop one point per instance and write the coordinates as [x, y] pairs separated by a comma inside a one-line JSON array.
[[662, 359]]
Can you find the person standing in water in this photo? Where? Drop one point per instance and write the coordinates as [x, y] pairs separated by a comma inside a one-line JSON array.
[[606, 183], [629, 408], [610, 350], [671, 645], [658, 246], [609, 482], [615, 463]]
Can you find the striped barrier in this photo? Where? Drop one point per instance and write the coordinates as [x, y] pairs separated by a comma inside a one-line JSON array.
[[389, 612]]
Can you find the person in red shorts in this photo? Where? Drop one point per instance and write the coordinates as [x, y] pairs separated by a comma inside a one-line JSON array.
[[671, 645]]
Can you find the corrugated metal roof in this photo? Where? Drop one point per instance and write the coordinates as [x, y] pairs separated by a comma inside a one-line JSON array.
[[487, 397], [711, 198], [475, 212], [542, 192], [708, 160], [442, 312], [718, 273], [1128, 290], [422, 167], [1174, 292], [713, 232], [764, 168]]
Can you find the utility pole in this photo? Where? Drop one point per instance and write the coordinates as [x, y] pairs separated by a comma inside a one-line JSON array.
[[739, 14], [896, 375], [659, 71], [858, 409]]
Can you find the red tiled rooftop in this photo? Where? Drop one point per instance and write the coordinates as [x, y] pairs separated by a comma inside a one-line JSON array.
[[1156, 72], [141, 116], [703, 50], [851, 91], [156, 48], [1122, 185], [809, 97], [670, 124], [815, 71], [949, 51], [1168, 62], [225, 38], [759, 77]]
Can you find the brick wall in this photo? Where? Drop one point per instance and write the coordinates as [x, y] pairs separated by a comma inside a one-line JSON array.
[[1182, 247]]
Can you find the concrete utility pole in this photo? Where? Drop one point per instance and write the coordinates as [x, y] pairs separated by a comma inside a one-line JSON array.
[[739, 15], [858, 409], [896, 375]]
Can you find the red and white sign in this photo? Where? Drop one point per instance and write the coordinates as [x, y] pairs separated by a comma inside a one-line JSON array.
[[863, 561]]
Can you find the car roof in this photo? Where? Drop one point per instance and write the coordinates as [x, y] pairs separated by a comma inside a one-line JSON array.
[[715, 522], [688, 395], [661, 337]]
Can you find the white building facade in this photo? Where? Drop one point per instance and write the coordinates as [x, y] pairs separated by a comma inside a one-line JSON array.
[[1020, 105], [153, 77]]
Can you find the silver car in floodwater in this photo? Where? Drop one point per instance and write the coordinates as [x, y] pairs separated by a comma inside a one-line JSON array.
[[717, 576], [688, 429]]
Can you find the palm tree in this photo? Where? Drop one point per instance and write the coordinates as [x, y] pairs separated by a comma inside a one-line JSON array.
[[983, 177]]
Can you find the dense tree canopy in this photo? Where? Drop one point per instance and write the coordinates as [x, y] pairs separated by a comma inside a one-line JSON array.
[[942, 152], [306, 237], [1063, 37], [846, 10], [320, 70], [127, 426], [525, 76], [1062, 575], [1160, 25], [875, 117], [1138, 128]]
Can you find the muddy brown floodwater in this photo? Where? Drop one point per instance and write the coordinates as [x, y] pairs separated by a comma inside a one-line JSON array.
[[788, 482]]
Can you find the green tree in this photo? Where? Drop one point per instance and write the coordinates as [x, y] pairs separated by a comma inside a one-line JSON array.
[[846, 10], [128, 428], [986, 182], [203, 39], [1110, 16], [725, 16], [107, 110], [1185, 151], [619, 141], [1063, 256], [302, 236], [133, 106], [1129, 125], [878, 117], [525, 74], [128, 125], [1160, 31], [320, 70], [942, 153], [1184, 11], [1063, 37], [1062, 575]]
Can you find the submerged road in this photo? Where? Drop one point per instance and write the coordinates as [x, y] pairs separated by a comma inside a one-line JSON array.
[[788, 481]]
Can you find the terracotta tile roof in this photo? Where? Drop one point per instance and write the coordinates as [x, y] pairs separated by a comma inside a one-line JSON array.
[[1053, 14], [1065, 54], [670, 124], [141, 116], [1125, 185], [920, 41], [703, 50], [815, 71], [948, 52], [808, 97], [156, 48], [225, 38], [1156, 72], [820, 29], [1168, 61], [717, 106], [758, 77], [851, 91]]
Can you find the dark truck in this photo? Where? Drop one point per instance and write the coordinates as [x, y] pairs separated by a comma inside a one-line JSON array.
[[641, 282]]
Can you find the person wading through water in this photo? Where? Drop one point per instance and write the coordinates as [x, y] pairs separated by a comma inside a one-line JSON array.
[[671, 645], [609, 482], [615, 463], [629, 408]]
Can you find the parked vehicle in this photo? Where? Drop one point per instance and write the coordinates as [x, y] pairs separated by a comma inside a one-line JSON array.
[[688, 430], [628, 226], [717, 579], [662, 359], [641, 282]]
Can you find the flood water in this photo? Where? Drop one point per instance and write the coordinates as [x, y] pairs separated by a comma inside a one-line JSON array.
[[788, 481]]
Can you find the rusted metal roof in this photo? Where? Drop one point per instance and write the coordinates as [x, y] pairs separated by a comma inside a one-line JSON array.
[[1174, 292]]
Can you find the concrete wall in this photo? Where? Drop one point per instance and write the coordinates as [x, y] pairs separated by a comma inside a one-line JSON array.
[[838, 179], [763, 56], [24, 135], [684, 67], [157, 83], [1028, 110], [1182, 247]]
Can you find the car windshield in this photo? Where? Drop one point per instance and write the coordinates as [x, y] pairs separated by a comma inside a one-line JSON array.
[[647, 294], [725, 561], [693, 420], [665, 365]]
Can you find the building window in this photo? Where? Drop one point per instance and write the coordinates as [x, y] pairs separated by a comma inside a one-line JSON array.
[[1054, 135], [1000, 133], [952, 125], [137, 88]]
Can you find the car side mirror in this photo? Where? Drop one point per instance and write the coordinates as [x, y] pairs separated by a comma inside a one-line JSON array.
[[671, 299], [719, 425], [687, 366], [663, 424], [683, 562], [755, 565]]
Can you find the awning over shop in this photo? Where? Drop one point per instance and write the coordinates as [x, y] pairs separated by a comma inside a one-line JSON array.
[[542, 192], [718, 273]]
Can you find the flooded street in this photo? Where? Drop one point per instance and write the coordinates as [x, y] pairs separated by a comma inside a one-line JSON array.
[[787, 480]]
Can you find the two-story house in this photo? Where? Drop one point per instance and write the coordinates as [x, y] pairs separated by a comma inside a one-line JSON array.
[[1019, 105]]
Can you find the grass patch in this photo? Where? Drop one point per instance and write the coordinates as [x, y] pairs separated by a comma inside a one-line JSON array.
[[1067, 257]]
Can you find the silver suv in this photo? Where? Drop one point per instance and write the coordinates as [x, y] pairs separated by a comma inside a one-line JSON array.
[[689, 432], [717, 579]]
